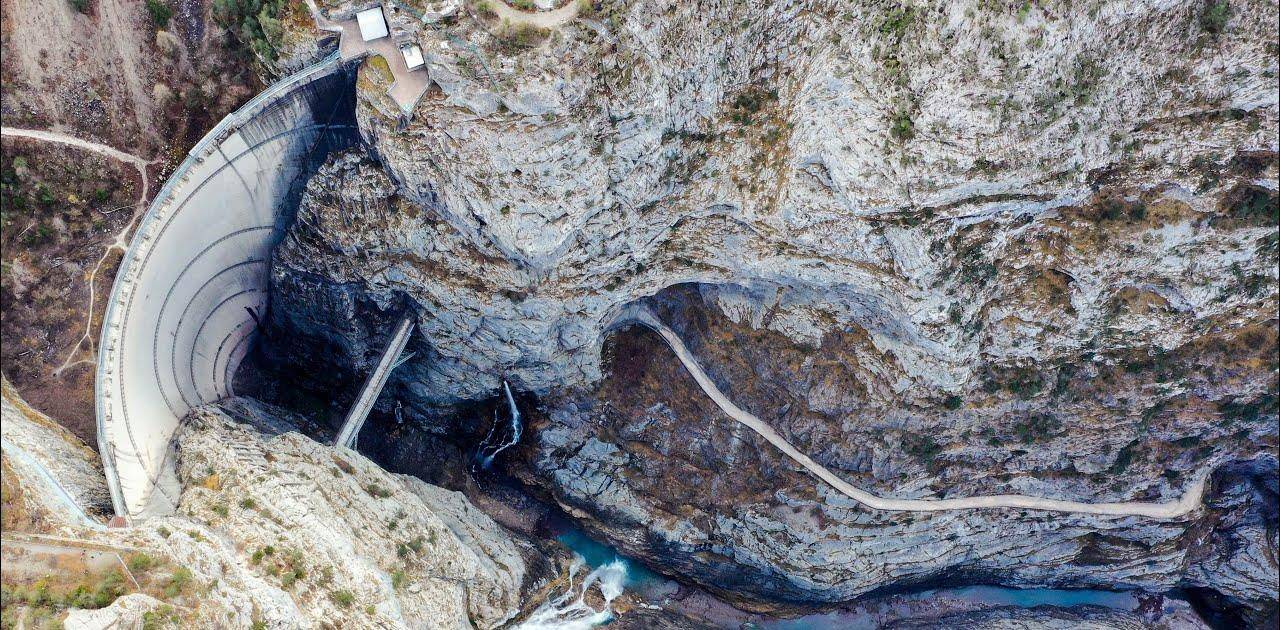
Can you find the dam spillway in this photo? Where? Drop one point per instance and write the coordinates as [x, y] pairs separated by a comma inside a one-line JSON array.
[[188, 294]]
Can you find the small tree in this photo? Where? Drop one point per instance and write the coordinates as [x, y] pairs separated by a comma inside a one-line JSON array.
[[159, 12], [1214, 18]]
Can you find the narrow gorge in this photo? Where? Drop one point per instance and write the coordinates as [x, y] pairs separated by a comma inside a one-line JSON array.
[[726, 314]]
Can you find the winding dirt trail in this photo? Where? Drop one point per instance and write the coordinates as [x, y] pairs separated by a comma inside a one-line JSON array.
[[540, 19], [121, 240], [62, 138], [1190, 501]]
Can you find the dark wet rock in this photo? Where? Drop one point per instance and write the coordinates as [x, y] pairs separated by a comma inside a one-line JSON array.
[[1049, 618]]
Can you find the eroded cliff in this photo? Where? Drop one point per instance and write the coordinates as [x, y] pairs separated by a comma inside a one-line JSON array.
[[945, 249]]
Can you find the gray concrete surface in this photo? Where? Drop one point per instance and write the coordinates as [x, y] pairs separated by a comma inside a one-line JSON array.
[[178, 323]]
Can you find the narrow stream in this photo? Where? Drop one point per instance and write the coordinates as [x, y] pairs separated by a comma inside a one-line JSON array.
[[655, 590]]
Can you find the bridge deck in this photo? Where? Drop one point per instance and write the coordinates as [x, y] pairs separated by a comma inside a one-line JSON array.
[[374, 383]]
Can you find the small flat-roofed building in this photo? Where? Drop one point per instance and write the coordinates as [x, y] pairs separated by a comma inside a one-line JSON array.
[[373, 24], [412, 56]]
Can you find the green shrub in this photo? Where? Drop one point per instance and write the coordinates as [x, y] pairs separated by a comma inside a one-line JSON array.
[[139, 562], [254, 23], [178, 584], [108, 590], [1214, 17], [162, 617], [1022, 382], [1036, 427], [159, 12], [1124, 458], [512, 39], [289, 578], [80, 5], [896, 22], [920, 446], [1248, 411], [902, 128], [343, 598], [749, 102], [1255, 204]]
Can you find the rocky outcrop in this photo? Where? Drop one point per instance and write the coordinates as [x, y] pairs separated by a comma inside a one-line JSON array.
[[330, 535], [126, 613], [274, 528], [64, 476], [946, 250], [1049, 618], [1237, 563], [654, 467], [835, 154]]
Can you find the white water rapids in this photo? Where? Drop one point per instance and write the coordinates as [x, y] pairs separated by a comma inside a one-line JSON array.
[[570, 611]]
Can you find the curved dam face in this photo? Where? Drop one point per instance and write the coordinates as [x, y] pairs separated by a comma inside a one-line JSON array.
[[187, 297]]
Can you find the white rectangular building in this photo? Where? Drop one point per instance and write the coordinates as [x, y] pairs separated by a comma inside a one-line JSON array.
[[373, 24], [412, 56]]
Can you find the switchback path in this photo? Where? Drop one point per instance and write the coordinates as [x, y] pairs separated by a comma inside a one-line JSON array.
[[1190, 500]]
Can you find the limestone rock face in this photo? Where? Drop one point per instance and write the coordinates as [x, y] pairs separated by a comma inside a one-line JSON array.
[[126, 613], [275, 528], [947, 249], [915, 174], [307, 523], [34, 442], [1051, 618], [653, 466]]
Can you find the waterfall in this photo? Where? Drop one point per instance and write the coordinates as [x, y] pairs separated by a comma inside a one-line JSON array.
[[570, 611], [516, 429]]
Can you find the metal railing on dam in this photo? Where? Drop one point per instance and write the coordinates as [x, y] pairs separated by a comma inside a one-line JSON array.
[[183, 309]]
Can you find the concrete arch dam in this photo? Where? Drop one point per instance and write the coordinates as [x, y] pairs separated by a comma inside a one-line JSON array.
[[183, 309]]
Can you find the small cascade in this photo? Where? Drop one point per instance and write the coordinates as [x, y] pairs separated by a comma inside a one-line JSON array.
[[570, 611], [516, 428]]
